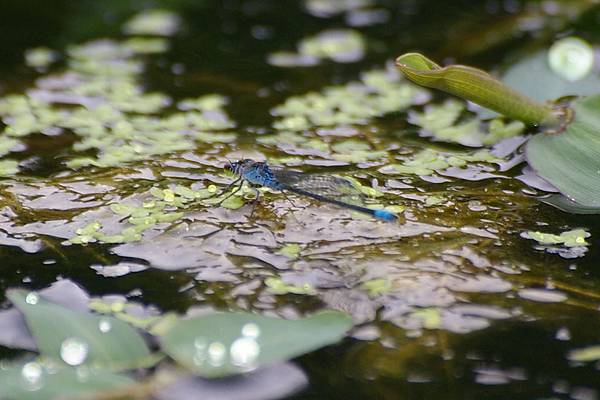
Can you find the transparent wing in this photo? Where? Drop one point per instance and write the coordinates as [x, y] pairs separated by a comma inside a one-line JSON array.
[[331, 186]]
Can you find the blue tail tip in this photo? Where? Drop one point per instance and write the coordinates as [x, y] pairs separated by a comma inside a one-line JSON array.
[[385, 215]]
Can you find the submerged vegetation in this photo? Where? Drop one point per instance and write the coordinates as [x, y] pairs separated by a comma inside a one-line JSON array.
[[125, 252]]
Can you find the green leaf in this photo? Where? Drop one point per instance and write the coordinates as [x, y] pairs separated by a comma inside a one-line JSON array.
[[81, 339], [570, 160], [565, 204], [35, 381], [224, 344], [475, 85], [533, 76]]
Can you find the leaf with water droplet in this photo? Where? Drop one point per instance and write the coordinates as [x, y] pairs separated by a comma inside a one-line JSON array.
[[35, 381], [74, 338], [220, 344]]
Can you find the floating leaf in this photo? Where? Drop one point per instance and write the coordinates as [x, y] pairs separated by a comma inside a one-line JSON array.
[[565, 204], [77, 339], [224, 344], [533, 75], [570, 160], [35, 381]]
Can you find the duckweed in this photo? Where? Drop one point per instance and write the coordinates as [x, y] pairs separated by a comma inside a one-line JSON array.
[[8, 168], [378, 93], [433, 200], [427, 161], [377, 287], [153, 22], [109, 110], [290, 250], [7, 144], [431, 317], [442, 122], [573, 238], [40, 57], [277, 286], [164, 206], [340, 45]]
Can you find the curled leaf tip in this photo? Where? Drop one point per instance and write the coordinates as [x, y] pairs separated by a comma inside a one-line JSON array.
[[474, 85]]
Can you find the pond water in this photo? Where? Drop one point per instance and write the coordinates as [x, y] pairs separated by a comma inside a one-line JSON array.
[[118, 126]]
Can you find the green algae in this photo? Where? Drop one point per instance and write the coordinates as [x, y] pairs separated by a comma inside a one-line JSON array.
[[443, 123], [355, 151], [437, 117], [378, 93], [586, 354], [431, 317], [290, 250], [433, 200], [161, 206], [7, 144], [377, 287], [277, 286], [109, 109], [8, 168], [210, 102], [366, 190], [328, 8], [341, 45], [141, 45], [153, 22], [572, 238], [338, 45], [289, 139], [428, 161], [40, 57]]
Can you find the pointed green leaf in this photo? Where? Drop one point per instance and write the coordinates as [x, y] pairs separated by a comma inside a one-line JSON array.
[[224, 344], [570, 160], [76, 339], [35, 381]]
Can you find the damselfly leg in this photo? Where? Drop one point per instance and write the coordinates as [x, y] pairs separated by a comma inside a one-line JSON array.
[[239, 182]]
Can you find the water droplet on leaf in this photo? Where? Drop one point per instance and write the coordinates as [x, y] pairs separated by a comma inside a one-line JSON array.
[[32, 298], [74, 351], [32, 375]]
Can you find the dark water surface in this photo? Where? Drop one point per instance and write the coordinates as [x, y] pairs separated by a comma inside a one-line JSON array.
[[504, 313]]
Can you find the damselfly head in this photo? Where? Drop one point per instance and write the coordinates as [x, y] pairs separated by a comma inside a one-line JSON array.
[[232, 166], [238, 167]]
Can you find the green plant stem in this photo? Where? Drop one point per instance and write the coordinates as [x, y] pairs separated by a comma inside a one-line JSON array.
[[477, 86]]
